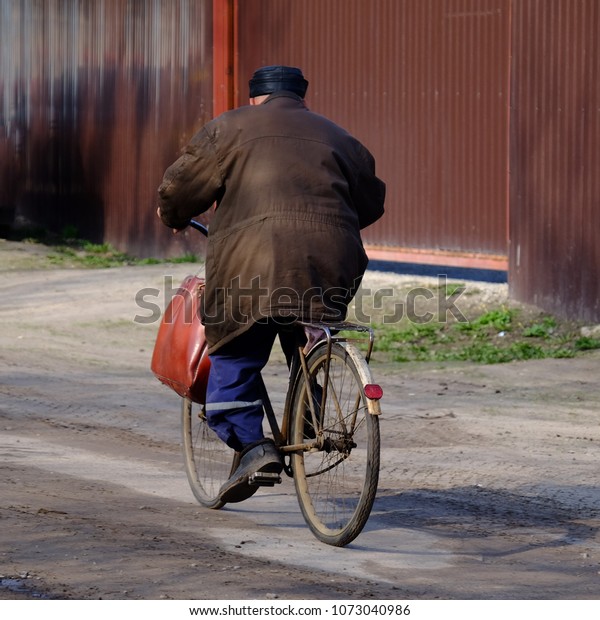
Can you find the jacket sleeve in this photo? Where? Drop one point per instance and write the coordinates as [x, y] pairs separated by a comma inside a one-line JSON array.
[[192, 184], [368, 192]]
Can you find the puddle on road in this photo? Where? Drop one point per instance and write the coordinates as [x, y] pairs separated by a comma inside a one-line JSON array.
[[22, 587]]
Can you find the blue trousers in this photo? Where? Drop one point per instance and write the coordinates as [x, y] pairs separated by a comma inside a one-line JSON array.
[[234, 401]]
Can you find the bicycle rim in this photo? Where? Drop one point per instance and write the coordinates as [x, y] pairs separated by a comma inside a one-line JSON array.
[[208, 460], [336, 485]]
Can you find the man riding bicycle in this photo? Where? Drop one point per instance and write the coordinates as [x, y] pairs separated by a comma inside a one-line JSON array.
[[292, 191]]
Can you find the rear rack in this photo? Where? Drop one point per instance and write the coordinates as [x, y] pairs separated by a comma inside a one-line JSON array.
[[331, 331]]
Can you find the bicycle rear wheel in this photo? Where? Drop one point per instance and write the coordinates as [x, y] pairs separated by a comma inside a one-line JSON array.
[[337, 482], [208, 460]]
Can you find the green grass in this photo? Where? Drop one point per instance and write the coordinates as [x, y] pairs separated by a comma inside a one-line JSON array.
[[67, 250], [499, 320], [186, 258], [102, 256], [496, 336], [90, 255]]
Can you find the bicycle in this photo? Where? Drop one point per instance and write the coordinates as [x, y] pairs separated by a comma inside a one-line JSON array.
[[328, 435]]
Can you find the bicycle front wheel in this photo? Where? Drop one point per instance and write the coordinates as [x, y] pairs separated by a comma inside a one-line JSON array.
[[336, 482], [208, 460]]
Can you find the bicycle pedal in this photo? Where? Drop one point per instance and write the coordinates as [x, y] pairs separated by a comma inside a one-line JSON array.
[[264, 479]]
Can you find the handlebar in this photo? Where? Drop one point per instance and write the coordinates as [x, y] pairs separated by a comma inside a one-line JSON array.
[[201, 227]]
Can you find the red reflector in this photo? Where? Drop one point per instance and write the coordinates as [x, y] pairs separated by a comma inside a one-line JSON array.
[[373, 391]]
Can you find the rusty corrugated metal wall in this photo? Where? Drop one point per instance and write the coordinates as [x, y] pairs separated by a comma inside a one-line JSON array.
[[555, 157], [424, 84], [96, 98]]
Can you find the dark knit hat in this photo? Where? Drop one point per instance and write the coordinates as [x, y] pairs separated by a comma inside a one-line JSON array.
[[267, 80]]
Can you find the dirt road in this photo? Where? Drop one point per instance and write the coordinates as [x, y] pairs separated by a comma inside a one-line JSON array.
[[489, 486]]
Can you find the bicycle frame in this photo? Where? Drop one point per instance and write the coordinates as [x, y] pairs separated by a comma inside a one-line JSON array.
[[330, 331]]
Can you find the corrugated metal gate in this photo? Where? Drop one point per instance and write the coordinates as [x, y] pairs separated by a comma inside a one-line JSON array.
[[424, 84], [555, 157]]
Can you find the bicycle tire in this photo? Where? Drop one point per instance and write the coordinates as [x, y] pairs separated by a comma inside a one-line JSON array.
[[208, 460], [336, 485]]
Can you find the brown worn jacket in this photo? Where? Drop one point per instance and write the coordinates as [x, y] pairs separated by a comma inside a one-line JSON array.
[[293, 191]]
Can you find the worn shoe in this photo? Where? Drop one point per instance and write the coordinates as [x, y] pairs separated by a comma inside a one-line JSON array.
[[261, 456]]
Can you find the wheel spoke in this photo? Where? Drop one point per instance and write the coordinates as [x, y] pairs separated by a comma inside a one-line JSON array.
[[208, 461], [336, 483]]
